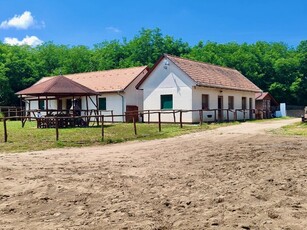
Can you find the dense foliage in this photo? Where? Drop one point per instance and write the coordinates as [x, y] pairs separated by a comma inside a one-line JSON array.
[[274, 67]]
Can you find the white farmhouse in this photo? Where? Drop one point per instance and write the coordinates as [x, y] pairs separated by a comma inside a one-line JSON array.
[[180, 84], [116, 89]]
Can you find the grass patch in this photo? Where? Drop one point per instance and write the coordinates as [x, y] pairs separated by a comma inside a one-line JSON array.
[[30, 138], [268, 120], [298, 128]]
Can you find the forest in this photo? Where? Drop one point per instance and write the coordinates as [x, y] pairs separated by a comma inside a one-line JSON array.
[[274, 67]]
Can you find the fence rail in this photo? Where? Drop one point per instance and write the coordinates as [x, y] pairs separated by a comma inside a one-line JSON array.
[[11, 111], [64, 121]]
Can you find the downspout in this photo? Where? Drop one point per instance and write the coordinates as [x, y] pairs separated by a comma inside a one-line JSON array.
[[123, 105]]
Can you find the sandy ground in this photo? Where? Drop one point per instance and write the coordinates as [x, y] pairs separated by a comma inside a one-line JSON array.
[[237, 177]]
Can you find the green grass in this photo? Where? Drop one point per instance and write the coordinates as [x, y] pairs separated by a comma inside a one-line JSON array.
[[271, 119], [298, 128], [30, 138]]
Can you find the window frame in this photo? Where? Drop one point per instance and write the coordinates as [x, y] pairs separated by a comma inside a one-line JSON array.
[[163, 101], [104, 103]]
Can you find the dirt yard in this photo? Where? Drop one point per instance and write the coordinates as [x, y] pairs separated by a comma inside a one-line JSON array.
[[236, 177]]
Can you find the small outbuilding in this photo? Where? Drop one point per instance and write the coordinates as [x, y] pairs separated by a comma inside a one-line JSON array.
[[266, 105]]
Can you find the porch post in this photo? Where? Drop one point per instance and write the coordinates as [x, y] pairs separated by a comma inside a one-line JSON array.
[[47, 109]]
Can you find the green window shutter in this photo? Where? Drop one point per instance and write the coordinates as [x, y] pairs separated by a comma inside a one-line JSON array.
[[167, 101], [102, 104], [41, 104]]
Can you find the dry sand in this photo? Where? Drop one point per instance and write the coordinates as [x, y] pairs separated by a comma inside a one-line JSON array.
[[237, 177]]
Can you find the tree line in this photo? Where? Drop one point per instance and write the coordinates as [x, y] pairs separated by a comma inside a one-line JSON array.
[[274, 67]]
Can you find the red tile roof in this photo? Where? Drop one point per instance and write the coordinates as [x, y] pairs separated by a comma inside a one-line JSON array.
[[261, 96], [209, 75], [107, 80], [57, 86], [265, 96], [214, 76]]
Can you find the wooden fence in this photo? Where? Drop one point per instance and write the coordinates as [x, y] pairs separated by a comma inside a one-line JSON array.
[[59, 122], [11, 111]]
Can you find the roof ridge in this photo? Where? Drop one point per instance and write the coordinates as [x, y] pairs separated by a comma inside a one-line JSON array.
[[108, 70], [99, 71], [206, 63]]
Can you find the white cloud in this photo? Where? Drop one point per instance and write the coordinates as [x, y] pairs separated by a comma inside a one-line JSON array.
[[31, 41], [23, 21], [113, 29]]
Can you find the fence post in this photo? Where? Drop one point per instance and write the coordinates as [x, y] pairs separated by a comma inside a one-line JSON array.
[[112, 116], [215, 116], [180, 118], [244, 114], [102, 128], [134, 126], [5, 130], [148, 121], [200, 117], [174, 115], [97, 119], [227, 115], [23, 121], [159, 120], [56, 129]]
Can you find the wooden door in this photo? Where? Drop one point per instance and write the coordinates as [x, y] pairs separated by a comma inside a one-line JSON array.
[[132, 112]]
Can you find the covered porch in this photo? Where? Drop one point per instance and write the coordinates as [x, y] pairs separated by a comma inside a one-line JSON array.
[[58, 102]]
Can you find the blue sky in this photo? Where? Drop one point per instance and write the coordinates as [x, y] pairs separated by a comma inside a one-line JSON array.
[[79, 22]]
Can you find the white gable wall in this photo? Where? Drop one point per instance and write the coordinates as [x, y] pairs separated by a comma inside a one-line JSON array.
[[163, 80], [134, 96]]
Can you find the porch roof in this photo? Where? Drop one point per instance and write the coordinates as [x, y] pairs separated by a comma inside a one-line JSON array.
[[57, 86]]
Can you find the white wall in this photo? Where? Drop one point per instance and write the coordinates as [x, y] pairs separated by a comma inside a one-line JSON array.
[[134, 96], [113, 102], [214, 93], [33, 105], [169, 80]]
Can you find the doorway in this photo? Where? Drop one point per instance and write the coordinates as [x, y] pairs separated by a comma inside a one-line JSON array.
[[250, 108], [220, 108]]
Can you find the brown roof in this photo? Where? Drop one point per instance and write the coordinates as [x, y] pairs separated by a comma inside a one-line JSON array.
[[211, 75], [57, 86], [265, 96], [107, 80]]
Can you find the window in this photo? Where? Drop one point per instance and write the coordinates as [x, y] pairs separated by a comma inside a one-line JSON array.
[[102, 103], [243, 102], [167, 101], [230, 102], [41, 104], [205, 101]]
